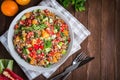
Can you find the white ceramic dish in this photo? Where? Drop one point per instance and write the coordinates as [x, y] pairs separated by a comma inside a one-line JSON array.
[[21, 61]]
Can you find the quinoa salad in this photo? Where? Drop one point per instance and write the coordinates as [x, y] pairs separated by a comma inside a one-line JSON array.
[[41, 38]]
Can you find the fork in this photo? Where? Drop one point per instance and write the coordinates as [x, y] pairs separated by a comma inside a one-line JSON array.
[[79, 58]]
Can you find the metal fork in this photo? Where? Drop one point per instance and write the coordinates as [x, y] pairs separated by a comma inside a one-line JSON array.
[[79, 58]]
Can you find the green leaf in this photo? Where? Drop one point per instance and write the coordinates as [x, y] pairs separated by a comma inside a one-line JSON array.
[[1, 67], [47, 44], [10, 65]]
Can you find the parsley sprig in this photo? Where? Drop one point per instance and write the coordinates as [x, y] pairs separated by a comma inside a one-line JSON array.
[[79, 5]]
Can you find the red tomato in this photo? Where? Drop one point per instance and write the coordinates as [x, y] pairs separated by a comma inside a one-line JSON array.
[[38, 41], [33, 54], [22, 22], [48, 24], [63, 27], [41, 55], [30, 34], [69, 40], [16, 26], [50, 31], [51, 54], [58, 34]]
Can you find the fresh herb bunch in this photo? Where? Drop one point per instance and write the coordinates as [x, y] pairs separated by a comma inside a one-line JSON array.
[[79, 5]]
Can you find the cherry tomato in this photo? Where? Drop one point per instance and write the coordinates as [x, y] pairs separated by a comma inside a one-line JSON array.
[[16, 26]]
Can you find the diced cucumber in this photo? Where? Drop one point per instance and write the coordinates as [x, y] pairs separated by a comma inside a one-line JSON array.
[[1, 67], [45, 19], [50, 20], [38, 51], [23, 17], [55, 30], [60, 44], [64, 51], [10, 65], [57, 27], [26, 51], [28, 59], [47, 50]]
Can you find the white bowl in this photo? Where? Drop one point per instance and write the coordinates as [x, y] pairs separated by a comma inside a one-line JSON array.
[[17, 57]]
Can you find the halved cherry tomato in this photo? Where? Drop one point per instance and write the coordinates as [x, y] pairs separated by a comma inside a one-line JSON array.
[[41, 55], [33, 54], [16, 26], [30, 34]]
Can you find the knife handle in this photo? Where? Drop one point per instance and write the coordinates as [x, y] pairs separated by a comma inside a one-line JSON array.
[[58, 76], [66, 76]]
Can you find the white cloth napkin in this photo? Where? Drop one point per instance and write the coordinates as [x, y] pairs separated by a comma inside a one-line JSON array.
[[79, 30]]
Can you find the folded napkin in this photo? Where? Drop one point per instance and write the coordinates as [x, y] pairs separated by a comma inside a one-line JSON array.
[[79, 30]]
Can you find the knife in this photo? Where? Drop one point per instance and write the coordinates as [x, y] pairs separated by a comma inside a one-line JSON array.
[[73, 67]]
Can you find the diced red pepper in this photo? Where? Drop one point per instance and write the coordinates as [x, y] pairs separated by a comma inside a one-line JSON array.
[[30, 48], [2, 77], [41, 46], [36, 46], [12, 74]]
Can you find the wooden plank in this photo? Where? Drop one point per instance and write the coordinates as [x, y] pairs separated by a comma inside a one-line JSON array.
[[94, 44], [81, 73], [117, 37], [108, 40]]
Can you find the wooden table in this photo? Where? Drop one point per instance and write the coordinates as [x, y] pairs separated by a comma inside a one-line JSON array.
[[102, 18]]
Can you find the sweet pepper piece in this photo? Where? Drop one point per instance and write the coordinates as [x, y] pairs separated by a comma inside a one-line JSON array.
[[11, 75]]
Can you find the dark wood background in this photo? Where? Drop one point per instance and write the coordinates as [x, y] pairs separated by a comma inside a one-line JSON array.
[[102, 18]]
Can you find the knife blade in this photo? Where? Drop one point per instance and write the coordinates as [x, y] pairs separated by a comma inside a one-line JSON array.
[[72, 67]]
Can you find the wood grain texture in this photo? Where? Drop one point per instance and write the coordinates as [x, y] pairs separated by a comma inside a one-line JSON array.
[[108, 40], [94, 44], [102, 18], [117, 39]]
